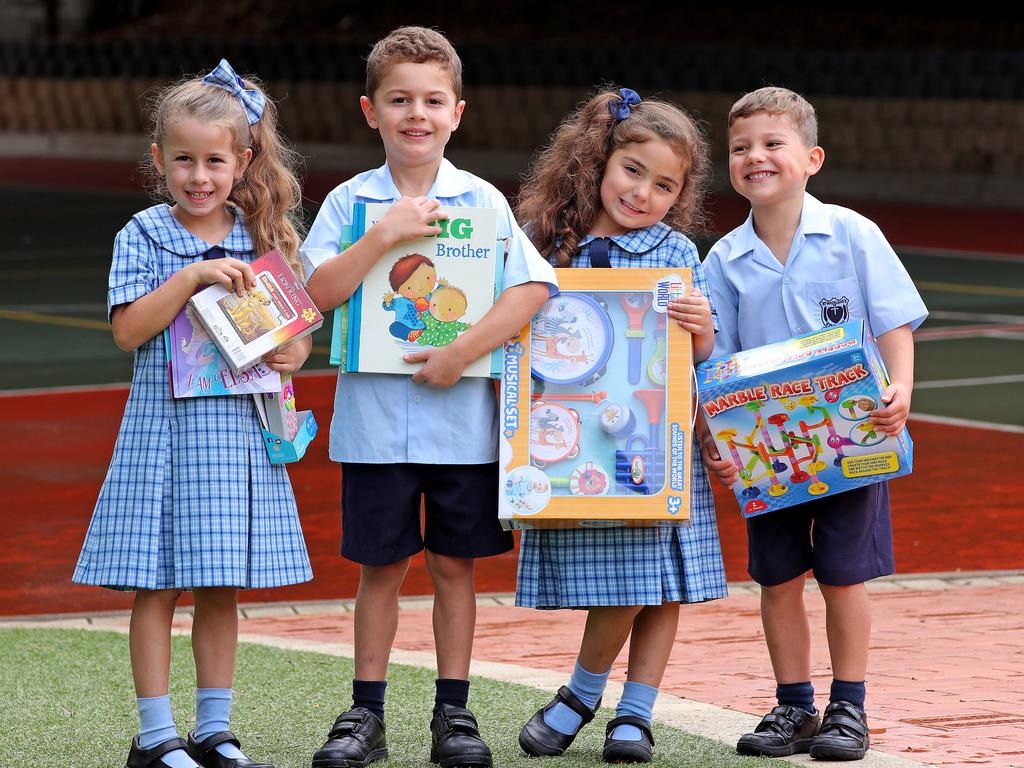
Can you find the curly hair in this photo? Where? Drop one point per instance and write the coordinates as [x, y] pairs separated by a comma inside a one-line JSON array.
[[560, 198], [415, 44], [269, 193]]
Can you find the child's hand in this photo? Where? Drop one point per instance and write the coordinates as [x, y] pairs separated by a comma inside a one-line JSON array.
[[233, 274], [893, 417], [443, 366], [723, 469], [692, 312], [290, 357], [411, 218]]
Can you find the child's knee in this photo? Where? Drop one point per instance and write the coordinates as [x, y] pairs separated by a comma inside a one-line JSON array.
[[383, 577], [448, 569]]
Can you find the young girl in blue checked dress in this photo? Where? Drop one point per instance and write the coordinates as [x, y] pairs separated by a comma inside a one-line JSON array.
[[190, 500], [619, 178]]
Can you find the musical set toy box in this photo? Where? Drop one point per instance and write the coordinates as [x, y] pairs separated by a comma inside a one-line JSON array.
[[794, 417], [596, 405]]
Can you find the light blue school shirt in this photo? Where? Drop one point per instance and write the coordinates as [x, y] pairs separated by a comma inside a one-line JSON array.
[[387, 419], [840, 267]]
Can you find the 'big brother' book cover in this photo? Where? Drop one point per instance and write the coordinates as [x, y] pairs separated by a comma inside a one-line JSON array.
[[424, 293]]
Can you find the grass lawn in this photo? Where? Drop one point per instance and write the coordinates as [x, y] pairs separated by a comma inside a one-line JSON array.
[[66, 700]]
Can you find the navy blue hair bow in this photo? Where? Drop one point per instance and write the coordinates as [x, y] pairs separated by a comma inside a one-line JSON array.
[[253, 101], [620, 108]]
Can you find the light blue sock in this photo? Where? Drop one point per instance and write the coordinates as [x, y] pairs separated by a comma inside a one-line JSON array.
[[638, 701], [213, 714], [157, 726], [588, 686]]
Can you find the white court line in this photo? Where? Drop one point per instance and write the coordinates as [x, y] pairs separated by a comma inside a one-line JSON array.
[[969, 423], [977, 381]]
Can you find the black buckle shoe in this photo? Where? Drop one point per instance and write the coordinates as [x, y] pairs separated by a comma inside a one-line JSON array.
[[537, 738], [626, 751], [843, 735], [205, 753], [150, 758], [455, 738], [783, 731], [356, 740]]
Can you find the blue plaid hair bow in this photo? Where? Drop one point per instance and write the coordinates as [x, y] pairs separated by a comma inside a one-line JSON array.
[[253, 101], [620, 108]]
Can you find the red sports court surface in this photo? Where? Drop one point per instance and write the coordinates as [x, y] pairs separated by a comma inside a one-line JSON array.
[[52, 468]]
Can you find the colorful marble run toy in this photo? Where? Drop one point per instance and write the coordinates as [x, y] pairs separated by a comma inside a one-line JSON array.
[[778, 413]]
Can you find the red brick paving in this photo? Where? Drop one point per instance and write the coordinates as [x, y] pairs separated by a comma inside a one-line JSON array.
[[946, 681]]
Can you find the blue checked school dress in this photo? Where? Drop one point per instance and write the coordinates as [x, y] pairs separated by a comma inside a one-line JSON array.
[[586, 567], [190, 498]]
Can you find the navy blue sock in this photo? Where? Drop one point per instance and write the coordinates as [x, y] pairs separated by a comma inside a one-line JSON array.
[[449, 690], [843, 690], [370, 694], [796, 695]]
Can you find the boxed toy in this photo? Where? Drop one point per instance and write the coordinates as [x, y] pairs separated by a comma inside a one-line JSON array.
[[596, 405], [795, 417]]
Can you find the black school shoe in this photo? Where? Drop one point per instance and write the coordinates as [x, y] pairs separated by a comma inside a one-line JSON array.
[[783, 731], [205, 752], [623, 751], [356, 740], [455, 738], [150, 758], [537, 738], [843, 734]]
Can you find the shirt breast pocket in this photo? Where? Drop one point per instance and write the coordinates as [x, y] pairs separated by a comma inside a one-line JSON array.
[[836, 302]]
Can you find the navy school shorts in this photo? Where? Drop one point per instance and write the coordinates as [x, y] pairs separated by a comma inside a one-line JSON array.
[[380, 511], [844, 539]]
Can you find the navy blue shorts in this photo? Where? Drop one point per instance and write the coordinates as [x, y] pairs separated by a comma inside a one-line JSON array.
[[845, 539], [380, 511]]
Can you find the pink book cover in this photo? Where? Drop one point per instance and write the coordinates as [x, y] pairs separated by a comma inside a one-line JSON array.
[[275, 311]]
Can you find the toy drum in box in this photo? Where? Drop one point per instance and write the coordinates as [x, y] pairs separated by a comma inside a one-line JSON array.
[[596, 405], [794, 417]]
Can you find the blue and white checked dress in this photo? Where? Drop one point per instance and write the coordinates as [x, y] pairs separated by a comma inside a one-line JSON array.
[[585, 567], [190, 499]]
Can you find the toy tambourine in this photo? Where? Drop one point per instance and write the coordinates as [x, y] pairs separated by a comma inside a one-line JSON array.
[[570, 340], [554, 433]]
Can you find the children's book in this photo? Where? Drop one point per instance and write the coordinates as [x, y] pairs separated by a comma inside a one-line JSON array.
[[279, 410], [275, 311], [339, 330], [423, 293], [197, 369]]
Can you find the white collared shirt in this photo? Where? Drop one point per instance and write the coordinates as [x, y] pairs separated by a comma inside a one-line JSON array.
[[384, 419], [840, 267]]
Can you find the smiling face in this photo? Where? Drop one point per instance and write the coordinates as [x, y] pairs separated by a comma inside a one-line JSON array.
[[200, 165], [447, 304], [769, 163], [415, 110], [641, 182], [420, 283]]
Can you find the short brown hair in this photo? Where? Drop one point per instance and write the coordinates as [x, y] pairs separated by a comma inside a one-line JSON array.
[[779, 101], [404, 268], [418, 45]]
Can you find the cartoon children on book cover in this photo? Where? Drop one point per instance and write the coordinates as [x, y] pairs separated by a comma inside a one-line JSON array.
[[426, 292]]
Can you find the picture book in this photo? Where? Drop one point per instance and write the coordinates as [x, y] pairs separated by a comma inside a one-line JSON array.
[[247, 327], [279, 409], [197, 369], [424, 293], [287, 432], [339, 330]]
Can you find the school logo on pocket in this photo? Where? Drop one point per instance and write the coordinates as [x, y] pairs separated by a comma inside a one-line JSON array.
[[834, 311]]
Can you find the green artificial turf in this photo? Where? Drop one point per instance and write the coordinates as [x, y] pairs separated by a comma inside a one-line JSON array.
[[66, 700]]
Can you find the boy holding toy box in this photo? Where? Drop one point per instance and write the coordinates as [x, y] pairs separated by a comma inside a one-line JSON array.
[[797, 265]]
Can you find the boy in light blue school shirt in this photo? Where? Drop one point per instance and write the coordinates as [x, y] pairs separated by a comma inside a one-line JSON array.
[[795, 266], [380, 418], [431, 435]]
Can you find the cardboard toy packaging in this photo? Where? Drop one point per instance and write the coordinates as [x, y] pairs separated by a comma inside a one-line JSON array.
[[596, 406], [794, 417]]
